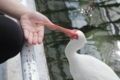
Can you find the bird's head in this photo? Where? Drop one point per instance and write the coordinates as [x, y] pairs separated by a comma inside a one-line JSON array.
[[76, 36], [77, 43], [77, 40], [71, 33]]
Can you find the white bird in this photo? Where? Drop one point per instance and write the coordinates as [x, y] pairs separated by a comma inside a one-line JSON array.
[[84, 67]]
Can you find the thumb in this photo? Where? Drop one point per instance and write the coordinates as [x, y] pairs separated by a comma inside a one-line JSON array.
[[50, 25]]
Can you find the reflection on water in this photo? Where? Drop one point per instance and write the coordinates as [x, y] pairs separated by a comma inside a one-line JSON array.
[[100, 25]]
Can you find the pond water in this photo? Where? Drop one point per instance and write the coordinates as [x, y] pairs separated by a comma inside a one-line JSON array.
[[100, 26]]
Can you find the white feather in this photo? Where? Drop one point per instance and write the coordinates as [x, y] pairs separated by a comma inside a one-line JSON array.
[[86, 67]]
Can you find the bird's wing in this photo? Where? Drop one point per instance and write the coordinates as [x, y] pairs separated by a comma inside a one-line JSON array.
[[90, 68], [99, 70]]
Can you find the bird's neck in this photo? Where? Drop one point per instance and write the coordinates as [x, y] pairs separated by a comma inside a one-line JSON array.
[[70, 52]]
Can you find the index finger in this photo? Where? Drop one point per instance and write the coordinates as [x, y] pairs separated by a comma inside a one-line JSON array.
[[26, 33]]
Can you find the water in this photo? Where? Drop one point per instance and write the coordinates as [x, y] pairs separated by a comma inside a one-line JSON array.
[[100, 26]]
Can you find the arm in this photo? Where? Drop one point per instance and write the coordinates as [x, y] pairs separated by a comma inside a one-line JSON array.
[[28, 19], [13, 8]]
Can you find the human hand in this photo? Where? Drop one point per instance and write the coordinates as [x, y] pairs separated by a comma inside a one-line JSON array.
[[33, 33]]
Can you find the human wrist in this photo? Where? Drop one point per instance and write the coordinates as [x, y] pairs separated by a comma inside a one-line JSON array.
[[23, 12], [16, 10]]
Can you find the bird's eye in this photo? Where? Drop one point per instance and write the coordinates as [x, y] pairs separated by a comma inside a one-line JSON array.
[[75, 37]]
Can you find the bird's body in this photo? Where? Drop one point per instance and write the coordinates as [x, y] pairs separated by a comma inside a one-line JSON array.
[[86, 67]]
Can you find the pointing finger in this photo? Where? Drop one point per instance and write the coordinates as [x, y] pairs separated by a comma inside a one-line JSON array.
[[26, 33], [30, 38]]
